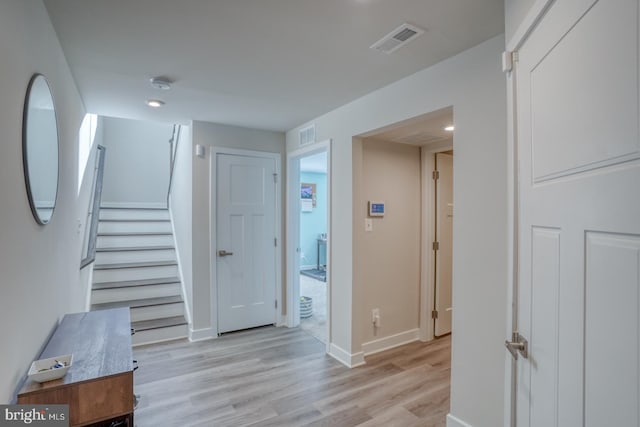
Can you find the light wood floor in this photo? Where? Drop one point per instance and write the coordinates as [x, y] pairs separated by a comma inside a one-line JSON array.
[[282, 377]]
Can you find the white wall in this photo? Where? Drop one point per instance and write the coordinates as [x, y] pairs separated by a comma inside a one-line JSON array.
[[39, 264], [180, 205], [136, 162], [471, 82], [216, 135], [514, 13]]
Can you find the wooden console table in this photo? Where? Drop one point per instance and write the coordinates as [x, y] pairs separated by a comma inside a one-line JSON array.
[[99, 385]]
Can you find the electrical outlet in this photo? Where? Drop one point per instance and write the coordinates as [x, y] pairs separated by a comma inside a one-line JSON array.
[[375, 317]]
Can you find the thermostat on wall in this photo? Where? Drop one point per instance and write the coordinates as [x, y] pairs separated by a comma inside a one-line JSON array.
[[376, 208]]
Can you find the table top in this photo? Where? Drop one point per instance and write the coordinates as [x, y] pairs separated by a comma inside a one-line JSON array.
[[100, 342]]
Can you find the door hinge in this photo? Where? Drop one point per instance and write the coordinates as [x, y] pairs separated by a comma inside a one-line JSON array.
[[518, 344], [436, 175], [275, 241], [276, 303], [436, 246], [275, 178], [434, 314]]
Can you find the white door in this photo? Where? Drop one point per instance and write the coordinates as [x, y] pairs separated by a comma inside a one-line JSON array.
[[444, 237], [245, 236], [579, 220]]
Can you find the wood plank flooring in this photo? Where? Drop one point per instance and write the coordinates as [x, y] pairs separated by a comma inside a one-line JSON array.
[[282, 377]]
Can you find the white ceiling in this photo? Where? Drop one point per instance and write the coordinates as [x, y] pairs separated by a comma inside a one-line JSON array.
[[315, 163], [422, 130], [270, 64]]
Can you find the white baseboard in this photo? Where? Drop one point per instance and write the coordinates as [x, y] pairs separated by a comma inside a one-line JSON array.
[[346, 358], [453, 421], [201, 334], [134, 205], [390, 342]]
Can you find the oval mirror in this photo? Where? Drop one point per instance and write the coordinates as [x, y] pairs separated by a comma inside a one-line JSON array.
[[40, 149]]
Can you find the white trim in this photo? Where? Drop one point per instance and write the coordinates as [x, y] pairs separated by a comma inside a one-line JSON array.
[[214, 152], [134, 205], [453, 421], [293, 233], [390, 342], [347, 359], [89, 287], [427, 279], [532, 19], [201, 334], [187, 311]]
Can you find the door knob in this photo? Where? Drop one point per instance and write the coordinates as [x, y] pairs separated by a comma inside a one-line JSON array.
[[224, 253]]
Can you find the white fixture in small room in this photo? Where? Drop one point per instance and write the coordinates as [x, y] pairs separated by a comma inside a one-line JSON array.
[[450, 128], [368, 224], [200, 151], [155, 103], [162, 83], [375, 317], [307, 135], [397, 38]]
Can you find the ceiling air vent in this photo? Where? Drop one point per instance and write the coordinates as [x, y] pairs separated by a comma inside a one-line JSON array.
[[397, 38], [308, 135]]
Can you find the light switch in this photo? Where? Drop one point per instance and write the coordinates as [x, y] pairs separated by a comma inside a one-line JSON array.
[[368, 224], [200, 151]]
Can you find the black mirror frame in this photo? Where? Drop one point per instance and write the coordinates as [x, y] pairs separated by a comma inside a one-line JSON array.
[[25, 161]]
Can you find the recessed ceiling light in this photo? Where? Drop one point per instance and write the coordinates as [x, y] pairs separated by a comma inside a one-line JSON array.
[[162, 83], [155, 103], [450, 128]]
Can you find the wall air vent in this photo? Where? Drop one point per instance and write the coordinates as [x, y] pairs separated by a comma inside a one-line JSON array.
[[307, 135], [397, 38]]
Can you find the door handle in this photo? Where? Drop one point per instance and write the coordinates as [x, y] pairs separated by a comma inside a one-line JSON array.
[[224, 253], [518, 344]]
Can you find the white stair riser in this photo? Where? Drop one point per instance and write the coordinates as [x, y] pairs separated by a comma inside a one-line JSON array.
[[134, 214], [135, 256], [130, 227], [142, 273], [102, 296], [160, 334], [134, 241], [157, 311]]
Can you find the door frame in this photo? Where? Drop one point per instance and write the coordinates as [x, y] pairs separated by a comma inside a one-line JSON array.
[[428, 235], [213, 208], [293, 232]]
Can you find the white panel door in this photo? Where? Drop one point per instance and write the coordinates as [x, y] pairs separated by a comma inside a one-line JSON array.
[[245, 236], [579, 216], [444, 236]]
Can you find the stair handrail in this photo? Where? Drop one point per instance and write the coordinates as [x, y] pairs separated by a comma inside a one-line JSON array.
[[173, 150], [95, 209]]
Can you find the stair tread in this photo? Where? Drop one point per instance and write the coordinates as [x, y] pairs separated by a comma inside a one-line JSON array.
[[133, 208], [134, 283], [135, 220], [164, 322], [147, 302], [136, 233], [119, 265], [136, 248]]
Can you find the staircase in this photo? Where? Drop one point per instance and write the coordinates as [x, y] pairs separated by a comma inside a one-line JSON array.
[[136, 267]]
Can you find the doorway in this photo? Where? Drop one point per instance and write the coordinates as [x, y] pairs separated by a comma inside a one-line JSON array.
[[443, 242], [308, 227]]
